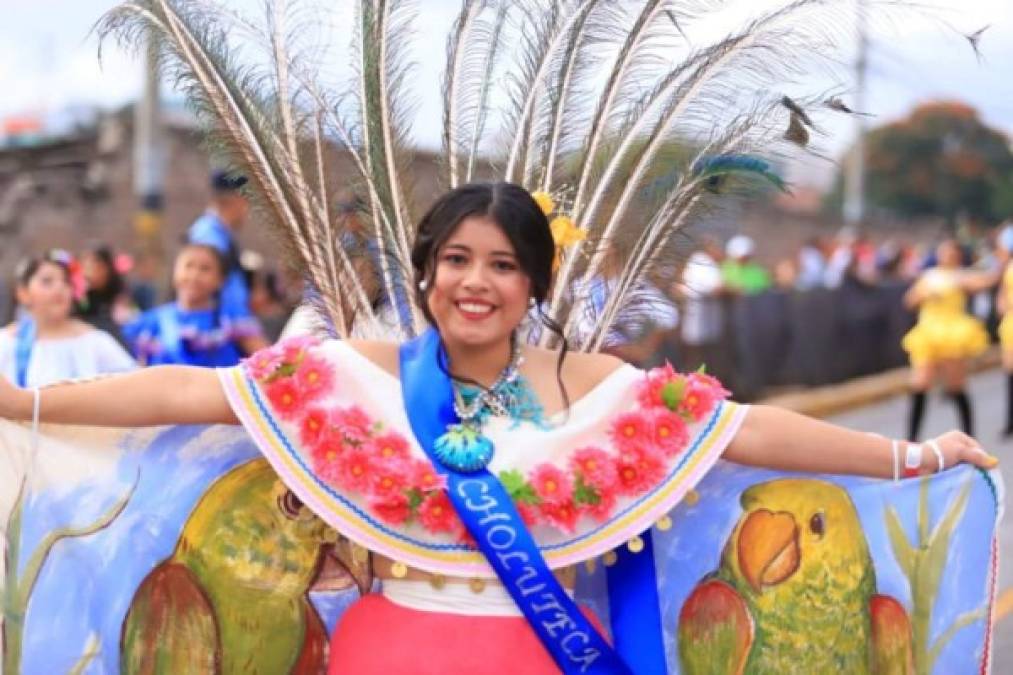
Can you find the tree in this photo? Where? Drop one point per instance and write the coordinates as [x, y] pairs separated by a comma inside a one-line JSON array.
[[941, 160]]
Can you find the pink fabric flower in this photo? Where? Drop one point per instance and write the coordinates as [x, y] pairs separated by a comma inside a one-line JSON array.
[[353, 422], [293, 348], [391, 447], [312, 426], [529, 513], [437, 514], [649, 394], [631, 432], [330, 440], [392, 509], [602, 511], [356, 469], [638, 472], [315, 377], [552, 485], [387, 479], [702, 394], [285, 397], [597, 468], [670, 434], [424, 476], [563, 515], [263, 363], [327, 455]]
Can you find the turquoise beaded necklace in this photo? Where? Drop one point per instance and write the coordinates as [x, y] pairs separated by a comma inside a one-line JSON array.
[[464, 447]]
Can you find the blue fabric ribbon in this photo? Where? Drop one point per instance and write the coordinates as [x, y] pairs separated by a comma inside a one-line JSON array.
[[23, 344], [634, 609], [491, 518]]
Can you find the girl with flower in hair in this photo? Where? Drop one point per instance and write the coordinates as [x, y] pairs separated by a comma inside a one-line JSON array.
[[47, 343], [479, 469]]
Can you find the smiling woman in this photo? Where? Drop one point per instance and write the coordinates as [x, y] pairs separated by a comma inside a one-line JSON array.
[[479, 448], [475, 478]]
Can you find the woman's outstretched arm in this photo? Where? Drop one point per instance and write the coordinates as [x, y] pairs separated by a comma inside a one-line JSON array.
[[780, 439], [149, 397]]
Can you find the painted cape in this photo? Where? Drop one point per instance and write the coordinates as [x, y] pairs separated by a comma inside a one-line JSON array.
[[114, 522]]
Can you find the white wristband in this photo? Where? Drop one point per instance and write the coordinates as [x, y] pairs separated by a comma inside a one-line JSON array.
[[895, 449], [937, 451], [912, 459]]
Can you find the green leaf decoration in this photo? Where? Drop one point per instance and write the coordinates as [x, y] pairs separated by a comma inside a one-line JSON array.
[[584, 493], [285, 370], [415, 498], [902, 549], [518, 488], [673, 392], [923, 562]]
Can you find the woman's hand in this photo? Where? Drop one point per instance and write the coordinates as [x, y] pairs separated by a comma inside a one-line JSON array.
[[955, 447], [779, 439]]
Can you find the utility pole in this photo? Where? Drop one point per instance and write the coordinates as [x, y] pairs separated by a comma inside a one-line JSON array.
[[854, 177], [149, 162]]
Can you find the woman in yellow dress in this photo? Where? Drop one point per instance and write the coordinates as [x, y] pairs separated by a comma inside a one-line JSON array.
[[946, 337], [1005, 307]]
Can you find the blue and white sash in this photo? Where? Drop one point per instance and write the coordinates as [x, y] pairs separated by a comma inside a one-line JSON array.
[[491, 518]]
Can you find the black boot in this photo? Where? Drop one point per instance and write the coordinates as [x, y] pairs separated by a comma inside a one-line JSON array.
[[914, 420], [963, 404], [1008, 431]]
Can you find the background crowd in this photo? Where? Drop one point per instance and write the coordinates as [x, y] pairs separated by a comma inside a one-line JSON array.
[[832, 309]]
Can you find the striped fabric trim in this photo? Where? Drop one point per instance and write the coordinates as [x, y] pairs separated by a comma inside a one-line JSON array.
[[452, 559]]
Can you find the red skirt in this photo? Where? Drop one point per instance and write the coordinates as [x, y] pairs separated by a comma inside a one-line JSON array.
[[378, 637]]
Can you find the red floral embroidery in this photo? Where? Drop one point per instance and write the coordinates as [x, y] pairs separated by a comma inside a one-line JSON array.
[[437, 514], [393, 509], [596, 467], [631, 431], [353, 452], [285, 398], [392, 448], [312, 426], [353, 422], [551, 484], [356, 470], [670, 434], [314, 377], [563, 515], [639, 471]]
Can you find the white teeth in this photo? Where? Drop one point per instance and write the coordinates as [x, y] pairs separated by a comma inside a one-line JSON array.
[[474, 308]]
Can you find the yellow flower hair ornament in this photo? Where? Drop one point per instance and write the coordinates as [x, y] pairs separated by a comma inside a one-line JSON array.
[[544, 201]]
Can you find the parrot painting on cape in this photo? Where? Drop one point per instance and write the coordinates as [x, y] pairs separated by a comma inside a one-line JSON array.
[[795, 592], [233, 597]]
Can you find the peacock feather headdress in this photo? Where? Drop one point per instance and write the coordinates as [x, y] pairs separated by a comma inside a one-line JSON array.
[[581, 100]]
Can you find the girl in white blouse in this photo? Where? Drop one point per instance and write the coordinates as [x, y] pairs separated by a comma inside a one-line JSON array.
[[46, 343]]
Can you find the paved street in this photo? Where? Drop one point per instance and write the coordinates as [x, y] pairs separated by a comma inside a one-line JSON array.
[[988, 391]]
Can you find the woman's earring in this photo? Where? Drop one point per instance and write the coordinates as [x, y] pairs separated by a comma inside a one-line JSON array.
[[532, 303], [423, 285]]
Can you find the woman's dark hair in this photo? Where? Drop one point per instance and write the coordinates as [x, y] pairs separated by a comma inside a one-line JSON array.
[[115, 285], [28, 267], [517, 214]]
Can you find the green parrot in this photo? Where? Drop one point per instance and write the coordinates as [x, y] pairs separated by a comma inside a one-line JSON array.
[[795, 593], [232, 598]]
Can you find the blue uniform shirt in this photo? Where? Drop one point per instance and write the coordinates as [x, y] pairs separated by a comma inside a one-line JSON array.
[[169, 334]]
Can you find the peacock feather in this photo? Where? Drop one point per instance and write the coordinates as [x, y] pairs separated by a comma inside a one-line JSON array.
[[632, 114]]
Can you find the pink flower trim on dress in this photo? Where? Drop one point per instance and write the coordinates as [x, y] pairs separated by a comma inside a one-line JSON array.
[[352, 452]]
